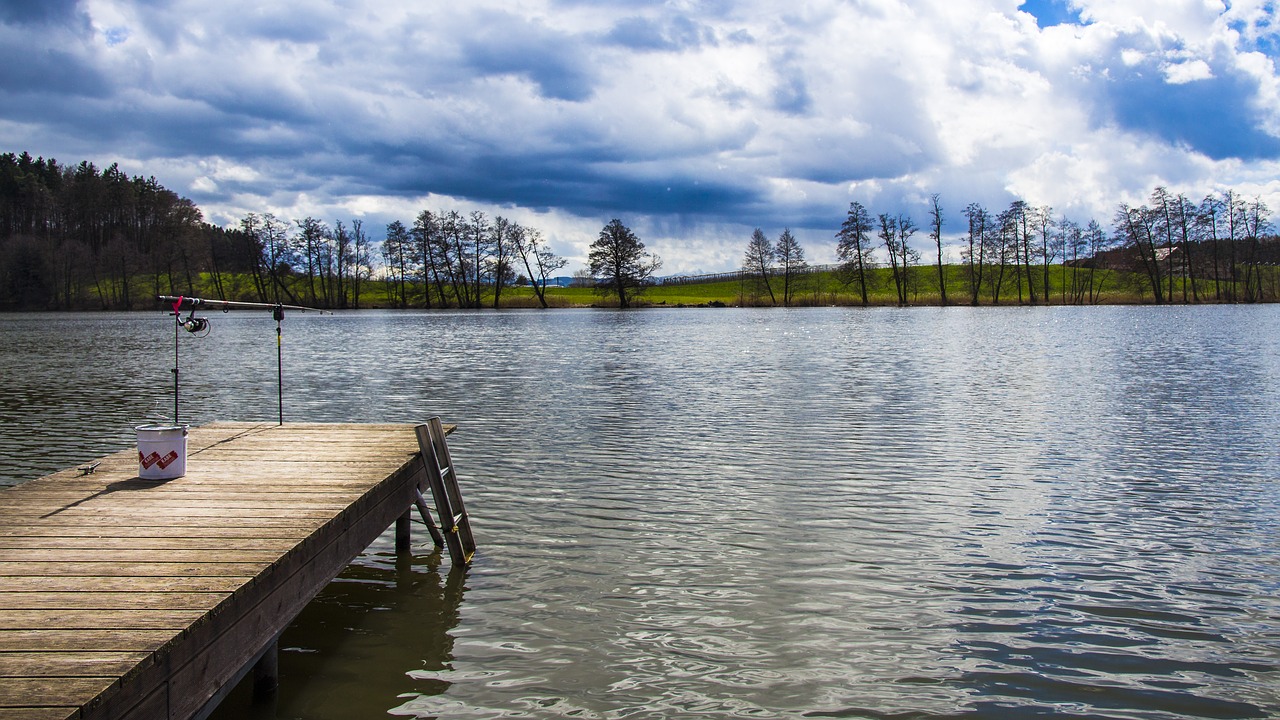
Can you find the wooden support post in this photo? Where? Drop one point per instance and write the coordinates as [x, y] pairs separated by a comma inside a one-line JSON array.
[[404, 536], [421, 503], [266, 673]]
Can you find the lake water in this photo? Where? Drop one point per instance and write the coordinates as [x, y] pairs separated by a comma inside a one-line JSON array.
[[884, 514]]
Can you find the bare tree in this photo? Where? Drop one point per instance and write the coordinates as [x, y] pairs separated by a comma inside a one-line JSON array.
[[310, 236], [1185, 221], [1050, 246], [1022, 217], [1163, 227], [855, 248], [1004, 247], [1257, 219], [895, 233], [501, 247], [1073, 248], [910, 256], [791, 260], [342, 255], [279, 256], [1099, 271], [975, 255], [539, 261], [396, 250], [935, 232], [362, 260], [1137, 226], [758, 261], [1208, 216], [478, 249]]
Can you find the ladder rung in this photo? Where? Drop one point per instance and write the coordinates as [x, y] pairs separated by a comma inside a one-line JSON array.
[[444, 488]]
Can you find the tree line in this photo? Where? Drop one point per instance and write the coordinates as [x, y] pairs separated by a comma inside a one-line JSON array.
[[75, 237], [1170, 249], [448, 259]]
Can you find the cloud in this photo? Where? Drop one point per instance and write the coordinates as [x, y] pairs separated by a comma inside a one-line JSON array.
[[696, 121], [38, 12], [1185, 72], [673, 34], [554, 60]]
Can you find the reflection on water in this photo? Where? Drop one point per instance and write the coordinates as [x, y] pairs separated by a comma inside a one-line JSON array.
[[384, 626], [933, 513]]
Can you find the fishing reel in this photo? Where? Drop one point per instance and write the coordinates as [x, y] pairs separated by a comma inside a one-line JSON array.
[[194, 325]]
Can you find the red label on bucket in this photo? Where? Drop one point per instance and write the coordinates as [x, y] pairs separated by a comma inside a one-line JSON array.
[[154, 459]]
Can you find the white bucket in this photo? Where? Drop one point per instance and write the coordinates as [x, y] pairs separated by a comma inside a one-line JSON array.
[[162, 451]]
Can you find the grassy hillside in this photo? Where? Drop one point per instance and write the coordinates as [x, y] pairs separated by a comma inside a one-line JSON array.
[[819, 288]]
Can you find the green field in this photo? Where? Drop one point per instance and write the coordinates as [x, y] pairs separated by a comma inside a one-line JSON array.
[[813, 289]]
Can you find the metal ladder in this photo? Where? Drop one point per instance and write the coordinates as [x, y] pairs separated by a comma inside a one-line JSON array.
[[448, 498]]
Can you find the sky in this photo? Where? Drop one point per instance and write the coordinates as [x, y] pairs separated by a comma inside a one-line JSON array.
[[692, 122]]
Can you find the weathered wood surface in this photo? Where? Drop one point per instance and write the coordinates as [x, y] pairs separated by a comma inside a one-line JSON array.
[[130, 598]]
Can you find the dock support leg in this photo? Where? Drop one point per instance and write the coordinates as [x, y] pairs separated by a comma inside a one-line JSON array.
[[404, 538], [266, 673]]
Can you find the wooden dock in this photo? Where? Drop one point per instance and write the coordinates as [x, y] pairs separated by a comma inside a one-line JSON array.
[[130, 598]]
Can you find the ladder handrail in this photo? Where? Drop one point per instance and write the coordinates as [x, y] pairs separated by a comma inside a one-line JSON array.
[[442, 478]]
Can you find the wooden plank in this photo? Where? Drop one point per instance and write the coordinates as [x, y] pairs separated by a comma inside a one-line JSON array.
[[196, 493], [249, 541], [100, 619], [69, 664], [64, 640], [134, 555], [161, 584], [110, 600], [164, 590], [229, 532], [178, 513], [158, 568], [41, 692], [119, 524], [49, 713]]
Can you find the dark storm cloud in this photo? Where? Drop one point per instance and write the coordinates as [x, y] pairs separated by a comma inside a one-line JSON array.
[[555, 61], [41, 50], [547, 181], [39, 12], [47, 71]]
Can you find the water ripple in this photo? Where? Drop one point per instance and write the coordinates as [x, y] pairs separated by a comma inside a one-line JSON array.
[[934, 513]]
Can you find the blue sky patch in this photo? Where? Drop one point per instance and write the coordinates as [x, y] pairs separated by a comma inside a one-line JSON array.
[[1051, 12], [1214, 116]]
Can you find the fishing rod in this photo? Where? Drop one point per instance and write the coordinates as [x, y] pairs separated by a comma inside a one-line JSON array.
[[199, 327], [184, 303]]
